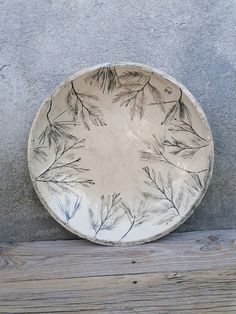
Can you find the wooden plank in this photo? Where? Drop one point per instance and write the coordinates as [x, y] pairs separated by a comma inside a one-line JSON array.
[[184, 292], [191, 273], [176, 252]]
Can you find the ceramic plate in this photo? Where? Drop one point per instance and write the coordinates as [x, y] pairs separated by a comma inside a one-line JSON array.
[[120, 154]]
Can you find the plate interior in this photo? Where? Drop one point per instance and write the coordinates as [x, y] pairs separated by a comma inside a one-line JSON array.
[[120, 154]]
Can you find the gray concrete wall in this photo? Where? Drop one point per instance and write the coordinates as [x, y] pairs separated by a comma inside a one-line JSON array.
[[43, 42]]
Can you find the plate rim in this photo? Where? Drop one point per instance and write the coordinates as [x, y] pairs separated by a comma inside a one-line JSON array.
[[200, 113]]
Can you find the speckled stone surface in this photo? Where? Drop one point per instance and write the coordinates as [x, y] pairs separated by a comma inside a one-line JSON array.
[[43, 42]]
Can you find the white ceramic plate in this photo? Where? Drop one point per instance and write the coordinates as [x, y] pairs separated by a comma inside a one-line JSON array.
[[120, 154]]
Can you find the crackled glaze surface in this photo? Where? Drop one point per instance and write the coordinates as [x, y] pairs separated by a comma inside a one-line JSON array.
[[120, 154]]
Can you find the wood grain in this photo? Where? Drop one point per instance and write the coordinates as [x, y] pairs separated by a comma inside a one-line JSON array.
[[192, 273]]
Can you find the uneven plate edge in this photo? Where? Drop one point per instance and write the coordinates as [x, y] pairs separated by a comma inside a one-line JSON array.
[[201, 115]]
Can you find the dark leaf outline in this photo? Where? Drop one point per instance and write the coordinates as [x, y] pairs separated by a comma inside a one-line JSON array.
[[156, 95], [167, 219], [69, 210], [155, 152], [108, 215], [66, 173], [165, 191], [106, 78], [132, 93], [181, 149], [127, 75], [183, 126], [55, 131], [137, 215], [81, 105], [178, 110], [194, 183], [39, 153]]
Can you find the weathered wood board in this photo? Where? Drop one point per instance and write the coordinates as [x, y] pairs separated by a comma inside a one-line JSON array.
[[191, 272]]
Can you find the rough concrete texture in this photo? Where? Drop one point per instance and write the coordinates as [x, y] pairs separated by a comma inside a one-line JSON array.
[[43, 42]]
